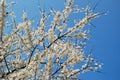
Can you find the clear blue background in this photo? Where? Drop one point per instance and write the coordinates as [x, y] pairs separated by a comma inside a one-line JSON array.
[[105, 37]]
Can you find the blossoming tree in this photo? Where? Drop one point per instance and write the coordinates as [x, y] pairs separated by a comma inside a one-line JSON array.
[[45, 52]]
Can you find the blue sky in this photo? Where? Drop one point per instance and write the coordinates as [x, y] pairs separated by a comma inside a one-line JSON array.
[[105, 37]]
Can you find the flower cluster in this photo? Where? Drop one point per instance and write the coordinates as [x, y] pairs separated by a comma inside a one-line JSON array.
[[44, 52]]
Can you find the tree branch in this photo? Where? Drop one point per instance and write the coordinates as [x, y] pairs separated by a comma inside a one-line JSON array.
[[6, 64]]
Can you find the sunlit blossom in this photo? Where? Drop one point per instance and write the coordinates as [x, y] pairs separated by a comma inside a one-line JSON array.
[[45, 52]]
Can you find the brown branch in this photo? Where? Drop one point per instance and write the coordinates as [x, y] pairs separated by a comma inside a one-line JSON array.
[[31, 54], [2, 20], [57, 39], [6, 64], [12, 71], [57, 71]]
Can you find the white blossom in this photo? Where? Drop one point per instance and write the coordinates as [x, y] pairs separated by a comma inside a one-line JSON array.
[[45, 52]]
